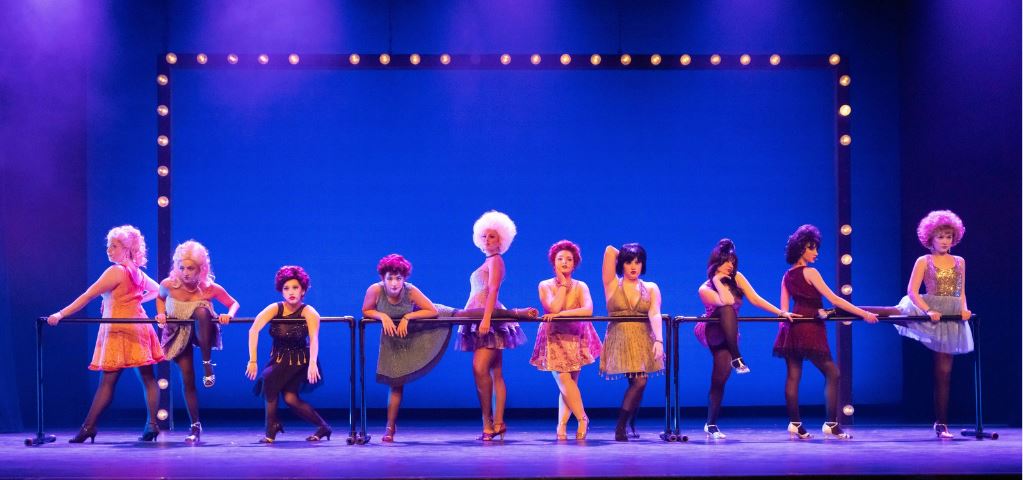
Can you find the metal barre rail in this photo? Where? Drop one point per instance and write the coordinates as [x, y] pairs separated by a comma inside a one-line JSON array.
[[42, 438], [361, 437]]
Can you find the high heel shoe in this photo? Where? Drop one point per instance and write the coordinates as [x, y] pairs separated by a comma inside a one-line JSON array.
[[562, 431], [194, 432], [150, 433], [86, 432], [271, 433], [487, 436], [388, 434], [584, 426], [740, 366], [632, 433], [620, 435], [500, 431], [832, 429], [796, 430], [209, 380], [323, 432], [939, 428], [713, 433]]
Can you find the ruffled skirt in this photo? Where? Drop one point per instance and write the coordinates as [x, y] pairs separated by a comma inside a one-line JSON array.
[[944, 337], [502, 336], [565, 346], [628, 351], [125, 345]]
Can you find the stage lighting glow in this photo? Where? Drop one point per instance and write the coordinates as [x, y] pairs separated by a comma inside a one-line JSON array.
[[171, 58], [846, 289], [845, 140], [834, 59], [846, 229], [293, 59], [505, 59], [202, 58], [162, 383], [162, 414], [595, 59], [715, 59], [163, 201], [848, 410], [385, 59], [445, 59], [775, 59], [534, 59], [232, 58], [845, 80], [162, 170], [745, 59], [414, 59], [626, 59], [162, 140], [655, 59], [844, 110], [566, 59], [846, 259], [263, 58], [162, 79], [353, 59], [162, 110], [685, 59]]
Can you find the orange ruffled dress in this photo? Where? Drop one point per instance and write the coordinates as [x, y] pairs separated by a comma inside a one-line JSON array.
[[125, 345]]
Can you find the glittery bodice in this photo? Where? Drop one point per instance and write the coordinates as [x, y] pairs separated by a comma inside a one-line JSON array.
[[618, 304], [478, 291], [289, 335], [944, 282]]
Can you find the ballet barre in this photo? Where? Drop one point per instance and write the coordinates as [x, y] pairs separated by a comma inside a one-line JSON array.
[[42, 438], [361, 437], [978, 432]]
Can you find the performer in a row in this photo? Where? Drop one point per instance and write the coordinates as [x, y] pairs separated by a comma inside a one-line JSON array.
[[124, 286]]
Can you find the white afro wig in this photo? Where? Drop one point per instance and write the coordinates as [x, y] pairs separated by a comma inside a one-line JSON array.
[[498, 222]]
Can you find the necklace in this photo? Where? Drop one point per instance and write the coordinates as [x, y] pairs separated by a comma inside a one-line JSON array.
[[190, 290]]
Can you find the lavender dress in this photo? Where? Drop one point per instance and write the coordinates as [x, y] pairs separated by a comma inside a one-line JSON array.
[[502, 335]]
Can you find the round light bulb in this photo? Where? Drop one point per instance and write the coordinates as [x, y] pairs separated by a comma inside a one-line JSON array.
[[414, 59], [202, 58], [162, 110], [745, 59], [848, 410], [845, 80], [293, 59], [844, 110], [162, 383], [595, 59], [162, 170], [263, 58], [846, 289], [845, 140], [505, 59], [534, 59], [775, 59], [162, 140], [626, 59], [846, 259], [353, 59], [162, 414], [385, 59], [163, 201], [715, 59], [655, 59], [162, 79], [846, 229], [565, 59], [232, 58], [685, 59], [445, 59], [834, 59], [171, 58]]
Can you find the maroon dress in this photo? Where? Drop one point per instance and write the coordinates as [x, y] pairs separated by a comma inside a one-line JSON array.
[[806, 337]]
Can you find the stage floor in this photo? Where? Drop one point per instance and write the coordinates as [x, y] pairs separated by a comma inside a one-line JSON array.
[[435, 449]]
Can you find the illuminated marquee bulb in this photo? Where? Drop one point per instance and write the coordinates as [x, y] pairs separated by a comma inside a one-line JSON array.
[[655, 59], [844, 110], [293, 59], [846, 289], [162, 414], [232, 58], [414, 59], [595, 59], [745, 59], [385, 59], [354, 59], [715, 59], [162, 140], [202, 58], [162, 170], [162, 79], [162, 110], [163, 201], [845, 80], [775, 59], [565, 59], [534, 59], [162, 383], [626, 59], [685, 59], [172, 58], [445, 59], [845, 140], [846, 229], [263, 58], [505, 59], [846, 259], [834, 59]]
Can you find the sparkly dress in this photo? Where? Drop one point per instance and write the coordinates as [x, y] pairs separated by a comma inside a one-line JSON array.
[[944, 288], [565, 346], [711, 335], [404, 359], [125, 345], [177, 337], [806, 337], [289, 357], [502, 335], [628, 346]]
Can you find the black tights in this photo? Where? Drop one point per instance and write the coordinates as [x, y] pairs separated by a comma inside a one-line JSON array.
[[297, 405], [205, 333], [186, 363], [730, 327], [630, 402], [942, 382], [719, 373], [105, 394], [831, 377]]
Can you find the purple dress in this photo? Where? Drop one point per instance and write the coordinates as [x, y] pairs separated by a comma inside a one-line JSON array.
[[711, 335], [502, 335], [806, 337]]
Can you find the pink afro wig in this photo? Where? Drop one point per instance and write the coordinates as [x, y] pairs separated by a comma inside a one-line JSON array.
[[940, 220]]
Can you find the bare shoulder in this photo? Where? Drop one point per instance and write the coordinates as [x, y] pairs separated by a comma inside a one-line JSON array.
[[309, 311], [651, 286], [582, 284]]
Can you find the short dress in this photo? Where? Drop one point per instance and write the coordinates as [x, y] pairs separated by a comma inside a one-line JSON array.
[[176, 337], [711, 335], [289, 356], [806, 337], [502, 335], [405, 359], [125, 345], [628, 346], [565, 346], [944, 287]]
